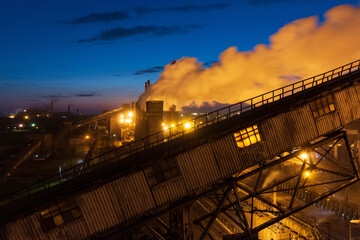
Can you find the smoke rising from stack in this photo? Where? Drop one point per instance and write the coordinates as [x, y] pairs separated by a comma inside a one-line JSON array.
[[300, 49]]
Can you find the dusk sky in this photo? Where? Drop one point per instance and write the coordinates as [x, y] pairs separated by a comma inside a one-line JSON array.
[[96, 54]]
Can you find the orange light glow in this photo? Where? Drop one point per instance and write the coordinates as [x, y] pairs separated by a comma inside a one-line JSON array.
[[304, 156]]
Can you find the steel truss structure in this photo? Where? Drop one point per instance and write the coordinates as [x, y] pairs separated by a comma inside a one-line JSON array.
[[228, 209]]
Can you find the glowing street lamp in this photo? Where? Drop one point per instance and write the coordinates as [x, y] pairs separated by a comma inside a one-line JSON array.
[[187, 125], [304, 156]]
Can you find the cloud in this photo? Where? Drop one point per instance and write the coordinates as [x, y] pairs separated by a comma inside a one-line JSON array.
[[300, 49], [149, 70], [6, 85], [87, 94], [98, 17], [16, 85], [209, 63], [148, 31], [59, 95], [267, 2], [140, 11]]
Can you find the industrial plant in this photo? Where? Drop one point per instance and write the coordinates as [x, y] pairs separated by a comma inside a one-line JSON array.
[[269, 167]]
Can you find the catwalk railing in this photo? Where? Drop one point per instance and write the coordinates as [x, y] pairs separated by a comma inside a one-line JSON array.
[[150, 141]]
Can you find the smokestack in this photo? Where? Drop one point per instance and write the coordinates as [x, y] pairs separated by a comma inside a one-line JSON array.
[[51, 106], [77, 111], [69, 108], [147, 84]]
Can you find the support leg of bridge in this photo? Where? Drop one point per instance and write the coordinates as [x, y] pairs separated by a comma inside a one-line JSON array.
[[180, 223]]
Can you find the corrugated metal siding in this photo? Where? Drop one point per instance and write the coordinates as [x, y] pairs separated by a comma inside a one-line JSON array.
[[3, 233], [25, 228], [93, 211], [347, 104], [227, 156], [328, 123], [355, 103], [198, 167], [72, 231], [116, 202], [277, 134], [132, 196], [357, 89], [253, 154], [169, 190], [301, 123]]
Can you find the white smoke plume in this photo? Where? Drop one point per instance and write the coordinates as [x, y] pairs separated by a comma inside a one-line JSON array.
[[300, 49]]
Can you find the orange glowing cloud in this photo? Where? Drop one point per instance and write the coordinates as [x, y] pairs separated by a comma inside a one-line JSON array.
[[298, 50]]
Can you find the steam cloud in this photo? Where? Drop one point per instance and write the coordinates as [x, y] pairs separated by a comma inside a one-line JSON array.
[[300, 49]]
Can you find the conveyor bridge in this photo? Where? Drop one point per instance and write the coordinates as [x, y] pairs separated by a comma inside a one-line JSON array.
[[164, 173]]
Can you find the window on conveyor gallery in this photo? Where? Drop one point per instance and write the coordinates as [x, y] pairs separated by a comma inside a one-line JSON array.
[[58, 214], [162, 171], [247, 136], [322, 106]]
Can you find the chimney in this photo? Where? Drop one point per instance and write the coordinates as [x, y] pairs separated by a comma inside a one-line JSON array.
[[51, 106], [77, 111], [147, 84]]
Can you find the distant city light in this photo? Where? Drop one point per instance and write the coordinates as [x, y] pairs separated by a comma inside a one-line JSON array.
[[26, 117], [307, 174], [12, 116], [172, 125], [121, 120], [87, 137], [21, 125], [130, 114], [33, 124], [165, 128]]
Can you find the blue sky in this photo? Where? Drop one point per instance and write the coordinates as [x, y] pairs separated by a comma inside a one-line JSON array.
[[97, 54]]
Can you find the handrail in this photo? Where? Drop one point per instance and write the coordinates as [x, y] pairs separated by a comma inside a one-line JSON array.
[[152, 140]]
